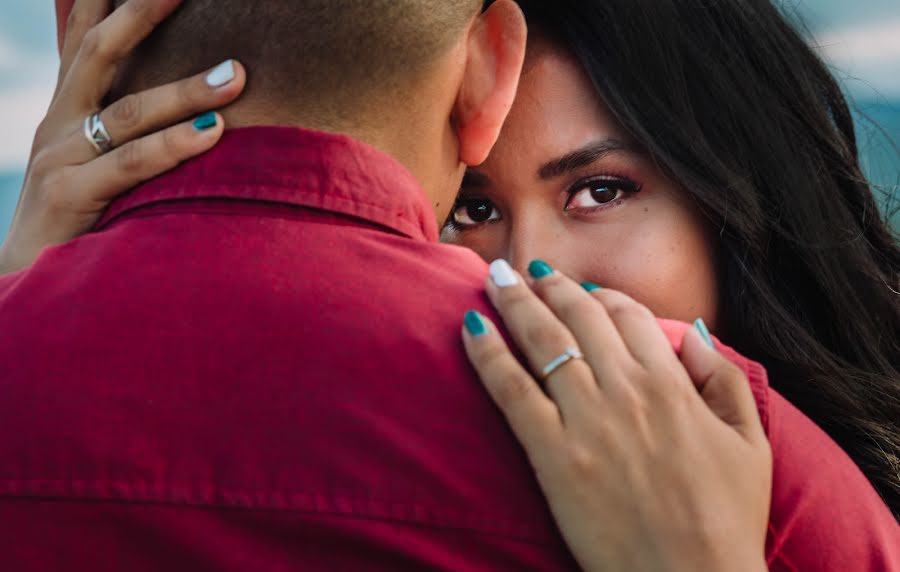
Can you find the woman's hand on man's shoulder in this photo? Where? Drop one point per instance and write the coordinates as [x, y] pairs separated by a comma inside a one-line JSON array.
[[648, 461]]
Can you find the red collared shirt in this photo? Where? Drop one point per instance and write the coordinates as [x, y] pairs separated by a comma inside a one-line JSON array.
[[254, 364]]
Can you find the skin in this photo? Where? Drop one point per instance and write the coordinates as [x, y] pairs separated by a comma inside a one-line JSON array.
[[651, 244], [469, 91], [669, 449]]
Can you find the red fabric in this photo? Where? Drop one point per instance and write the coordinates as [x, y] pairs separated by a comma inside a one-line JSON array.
[[254, 364], [63, 8]]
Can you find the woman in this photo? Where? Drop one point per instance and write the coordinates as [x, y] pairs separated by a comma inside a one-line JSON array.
[[649, 162], [710, 98]]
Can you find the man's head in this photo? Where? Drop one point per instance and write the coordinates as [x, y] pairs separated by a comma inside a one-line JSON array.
[[429, 81], [327, 56]]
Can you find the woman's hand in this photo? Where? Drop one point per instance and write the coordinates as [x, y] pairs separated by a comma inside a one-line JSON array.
[[648, 462], [68, 183]]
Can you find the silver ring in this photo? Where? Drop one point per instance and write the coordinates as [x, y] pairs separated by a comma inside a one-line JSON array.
[[566, 357], [97, 135]]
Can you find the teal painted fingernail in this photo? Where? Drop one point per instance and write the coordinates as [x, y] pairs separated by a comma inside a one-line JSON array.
[[590, 286], [539, 269], [704, 332], [475, 323], [206, 121]]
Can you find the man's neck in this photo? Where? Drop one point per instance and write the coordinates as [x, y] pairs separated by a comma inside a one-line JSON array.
[[420, 140]]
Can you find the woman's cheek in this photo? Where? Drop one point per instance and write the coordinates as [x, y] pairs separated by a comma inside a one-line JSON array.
[[664, 262]]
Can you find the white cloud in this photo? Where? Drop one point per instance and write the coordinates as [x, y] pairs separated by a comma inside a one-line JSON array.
[[24, 65], [8, 54], [23, 107], [27, 80], [865, 57], [874, 41]]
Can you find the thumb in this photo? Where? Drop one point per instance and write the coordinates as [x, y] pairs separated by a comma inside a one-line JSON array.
[[721, 384]]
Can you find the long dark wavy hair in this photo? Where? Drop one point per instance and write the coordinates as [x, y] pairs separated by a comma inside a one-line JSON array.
[[732, 103]]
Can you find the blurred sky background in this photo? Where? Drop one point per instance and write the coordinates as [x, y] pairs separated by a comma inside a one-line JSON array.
[[861, 40]]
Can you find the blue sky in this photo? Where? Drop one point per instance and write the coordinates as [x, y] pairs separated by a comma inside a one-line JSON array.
[[861, 39]]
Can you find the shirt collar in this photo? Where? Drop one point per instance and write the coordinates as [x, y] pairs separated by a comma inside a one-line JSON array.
[[296, 167]]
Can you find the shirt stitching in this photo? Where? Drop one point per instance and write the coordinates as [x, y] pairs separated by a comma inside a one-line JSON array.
[[328, 202], [307, 502]]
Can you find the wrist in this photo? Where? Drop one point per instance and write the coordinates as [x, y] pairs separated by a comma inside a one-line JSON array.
[[9, 261], [6, 265], [733, 561], [715, 554]]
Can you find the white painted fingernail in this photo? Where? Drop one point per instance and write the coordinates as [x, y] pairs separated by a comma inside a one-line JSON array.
[[221, 74], [502, 274]]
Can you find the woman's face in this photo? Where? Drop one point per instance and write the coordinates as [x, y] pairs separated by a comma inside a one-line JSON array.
[[566, 185]]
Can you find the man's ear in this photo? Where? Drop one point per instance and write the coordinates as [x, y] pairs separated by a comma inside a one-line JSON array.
[[495, 54]]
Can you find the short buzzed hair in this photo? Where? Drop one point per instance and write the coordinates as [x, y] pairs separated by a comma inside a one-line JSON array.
[[318, 52]]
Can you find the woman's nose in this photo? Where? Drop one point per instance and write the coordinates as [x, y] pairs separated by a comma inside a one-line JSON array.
[[527, 246]]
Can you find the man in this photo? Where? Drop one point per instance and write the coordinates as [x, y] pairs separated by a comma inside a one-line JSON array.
[[254, 363]]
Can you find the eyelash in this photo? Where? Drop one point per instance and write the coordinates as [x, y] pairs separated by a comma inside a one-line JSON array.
[[622, 186]]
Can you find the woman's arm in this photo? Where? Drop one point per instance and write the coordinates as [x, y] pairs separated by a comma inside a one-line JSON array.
[[647, 462], [68, 183]]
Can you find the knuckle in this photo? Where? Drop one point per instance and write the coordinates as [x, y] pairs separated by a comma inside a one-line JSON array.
[[547, 284], [171, 143], [543, 336], [92, 45], [127, 112], [515, 299], [510, 385], [43, 132], [633, 403], [731, 373], [667, 386], [581, 462], [644, 312], [513, 388], [579, 307], [628, 309], [147, 11], [41, 165], [633, 373], [187, 92], [130, 157], [492, 359], [53, 192]]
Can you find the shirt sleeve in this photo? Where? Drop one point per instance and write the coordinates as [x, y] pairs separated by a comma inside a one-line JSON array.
[[825, 513]]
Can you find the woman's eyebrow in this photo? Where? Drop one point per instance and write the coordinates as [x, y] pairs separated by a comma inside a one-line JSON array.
[[582, 157]]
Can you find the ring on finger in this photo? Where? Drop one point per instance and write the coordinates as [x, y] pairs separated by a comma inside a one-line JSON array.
[[571, 353], [97, 135]]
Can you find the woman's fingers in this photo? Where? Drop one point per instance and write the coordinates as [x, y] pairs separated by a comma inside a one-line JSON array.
[[639, 329], [588, 320], [533, 417], [85, 15], [105, 45], [133, 163], [541, 337], [139, 114], [722, 385]]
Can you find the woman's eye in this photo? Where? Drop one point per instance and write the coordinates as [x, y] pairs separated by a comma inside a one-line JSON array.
[[472, 212], [598, 193]]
